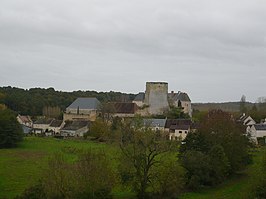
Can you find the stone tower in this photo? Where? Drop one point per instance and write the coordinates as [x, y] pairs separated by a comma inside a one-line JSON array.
[[156, 97]]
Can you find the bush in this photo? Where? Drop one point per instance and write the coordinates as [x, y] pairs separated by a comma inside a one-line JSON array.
[[10, 130]]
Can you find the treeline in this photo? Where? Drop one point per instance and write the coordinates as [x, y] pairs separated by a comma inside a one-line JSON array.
[[33, 101]]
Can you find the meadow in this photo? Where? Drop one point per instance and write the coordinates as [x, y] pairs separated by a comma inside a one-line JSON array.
[[22, 167]]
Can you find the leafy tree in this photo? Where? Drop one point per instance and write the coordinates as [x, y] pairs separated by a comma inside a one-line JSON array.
[[176, 112], [51, 112], [243, 108], [91, 176], [94, 175], [100, 129], [106, 109], [10, 130], [141, 153], [168, 179], [219, 147]]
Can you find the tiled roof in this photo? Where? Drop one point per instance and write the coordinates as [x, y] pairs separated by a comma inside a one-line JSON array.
[[56, 123], [170, 122], [44, 121], [75, 125], [85, 103], [180, 127], [124, 107], [25, 118], [179, 96], [260, 127]]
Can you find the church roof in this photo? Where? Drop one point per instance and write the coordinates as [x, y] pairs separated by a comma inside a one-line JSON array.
[[85, 103]]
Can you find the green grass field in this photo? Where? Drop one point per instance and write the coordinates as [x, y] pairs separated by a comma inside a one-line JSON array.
[[22, 167]]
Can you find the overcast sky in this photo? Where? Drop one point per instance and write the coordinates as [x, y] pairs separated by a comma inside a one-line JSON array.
[[215, 50]]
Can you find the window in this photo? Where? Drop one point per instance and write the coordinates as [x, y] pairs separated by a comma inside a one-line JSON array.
[[180, 131]]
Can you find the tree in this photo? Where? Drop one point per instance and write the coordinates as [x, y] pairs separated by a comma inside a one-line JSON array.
[[94, 175], [243, 108], [106, 109], [219, 141], [51, 112], [10, 130], [91, 176], [100, 129], [141, 154], [168, 178], [176, 112]]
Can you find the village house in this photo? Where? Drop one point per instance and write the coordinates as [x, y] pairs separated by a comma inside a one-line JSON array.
[[75, 128], [178, 128], [257, 133], [82, 109], [155, 124], [25, 120], [181, 100], [42, 125], [246, 120], [55, 127]]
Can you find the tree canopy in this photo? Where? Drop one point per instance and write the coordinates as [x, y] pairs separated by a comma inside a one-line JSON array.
[[10, 130]]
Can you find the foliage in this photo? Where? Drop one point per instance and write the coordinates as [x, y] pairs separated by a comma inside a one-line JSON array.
[[260, 188], [168, 179], [176, 112], [10, 130], [100, 129], [106, 109], [142, 153], [89, 177], [33, 192], [32, 101], [218, 149], [51, 112], [242, 107]]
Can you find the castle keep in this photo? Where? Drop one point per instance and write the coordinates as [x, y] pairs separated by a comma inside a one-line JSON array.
[[156, 97], [156, 100]]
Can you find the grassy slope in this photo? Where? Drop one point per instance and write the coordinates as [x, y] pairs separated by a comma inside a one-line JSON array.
[[238, 187], [22, 166]]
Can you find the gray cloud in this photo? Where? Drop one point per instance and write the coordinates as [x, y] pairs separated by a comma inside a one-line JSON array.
[[214, 50]]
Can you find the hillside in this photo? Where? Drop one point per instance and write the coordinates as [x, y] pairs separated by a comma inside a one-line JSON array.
[[225, 106]]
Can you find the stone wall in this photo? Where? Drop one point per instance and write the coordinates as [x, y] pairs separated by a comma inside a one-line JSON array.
[[156, 97]]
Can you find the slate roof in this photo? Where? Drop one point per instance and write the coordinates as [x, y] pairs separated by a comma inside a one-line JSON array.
[[75, 125], [85, 103], [260, 127], [180, 127], [154, 122], [44, 121], [179, 96], [125, 107], [170, 122], [56, 123], [140, 97]]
